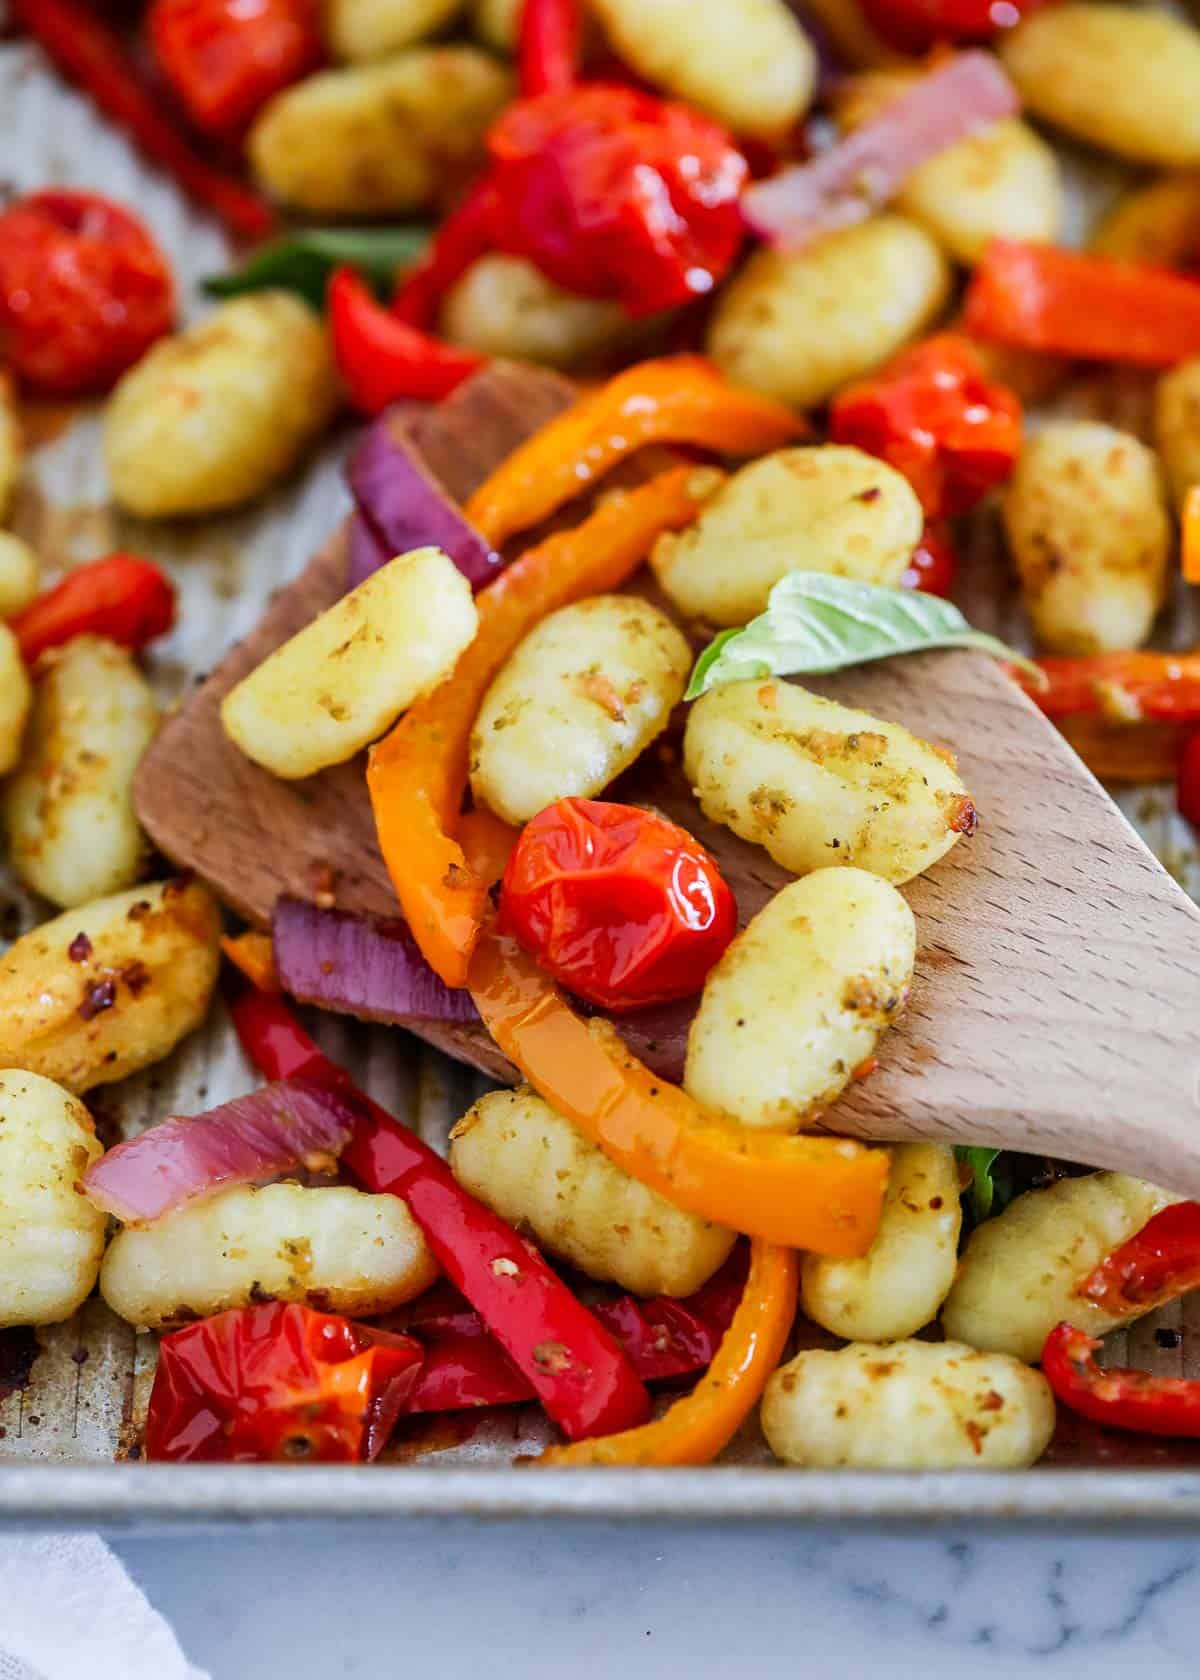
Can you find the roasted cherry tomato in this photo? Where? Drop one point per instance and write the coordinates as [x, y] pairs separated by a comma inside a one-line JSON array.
[[613, 193], [912, 26], [84, 291], [278, 1382], [1187, 784], [934, 415], [122, 597], [934, 563], [618, 904], [226, 58]]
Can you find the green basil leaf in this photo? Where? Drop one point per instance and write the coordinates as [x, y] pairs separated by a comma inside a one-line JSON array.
[[302, 262], [816, 623], [983, 1185]]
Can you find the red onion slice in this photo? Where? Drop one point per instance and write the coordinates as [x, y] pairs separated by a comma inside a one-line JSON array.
[[271, 1131], [856, 176], [404, 507], [366, 553], [360, 965]]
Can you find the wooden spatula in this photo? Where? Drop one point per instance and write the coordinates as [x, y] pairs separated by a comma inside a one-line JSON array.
[[1056, 1007]]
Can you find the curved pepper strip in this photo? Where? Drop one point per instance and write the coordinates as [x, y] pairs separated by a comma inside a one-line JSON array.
[[417, 775], [575, 1367], [1159, 1262], [696, 1428], [382, 359], [1118, 1398], [1124, 688], [819, 1193], [677, 399]]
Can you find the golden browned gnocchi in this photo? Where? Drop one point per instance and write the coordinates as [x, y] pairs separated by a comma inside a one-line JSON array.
[[798, 325], [503, 306], [1177, 427], [16, 699], [51, 1236], [109, 988], [1153, 224], [217, 414], [822, 509], [525, 1161], [337, 1249], [908, 1406], [1004, 183], [818, 783], [337, 684], [1124, 78], [366, 29], [800, 999], [751, 65], [1087, 522], [583, 695], [68, 812], [1019, 1271], [20, 574], [495, 23], [378, 138], [10, 446], [896, 1288]]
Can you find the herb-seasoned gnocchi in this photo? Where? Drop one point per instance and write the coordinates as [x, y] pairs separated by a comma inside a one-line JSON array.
[[824, 509], [817, 783], [907, 1406], [521, 1158], [1019, 1272], [110, 987], [51, 1236], [898, 1286], [337, 684], [503, 306], [16, 699], [19, 574], [1088, 525], [580, 698], [1177, 427], [218, 414], [366, 29], [800, 999], [68, 812], [334, 1248]]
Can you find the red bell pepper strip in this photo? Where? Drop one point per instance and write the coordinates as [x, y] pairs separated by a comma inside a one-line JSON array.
[[88, 52], [381, 358], [1122, 688], [1187, 779], [464, 237], [574, 1366], [1159, 1262], [121, 597], [548, 46], [1068, 303], [1118, 1398]]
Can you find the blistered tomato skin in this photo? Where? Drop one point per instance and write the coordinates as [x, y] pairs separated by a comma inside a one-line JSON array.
[[933, 565], [84, 292], [619, 905], [226, 58]]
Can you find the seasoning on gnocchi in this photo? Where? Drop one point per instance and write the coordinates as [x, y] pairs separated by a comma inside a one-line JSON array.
[[337, 684], [16, 699], [366, 29], [504, 306]]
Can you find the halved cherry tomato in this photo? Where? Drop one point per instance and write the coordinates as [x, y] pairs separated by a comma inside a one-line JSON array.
[[226, 58], [934, 563]]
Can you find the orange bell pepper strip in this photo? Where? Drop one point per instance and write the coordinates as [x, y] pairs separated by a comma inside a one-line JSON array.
[[1121, 688], [1131, 754], [1190, 535], [487, 842], [418, 773], [254, 954], [1040, 297], [696, 1428], [819, 1193], [677, 399]]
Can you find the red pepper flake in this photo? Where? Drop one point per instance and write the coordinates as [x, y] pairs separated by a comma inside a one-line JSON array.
[[137, 977], [80, 948], [97, 998]]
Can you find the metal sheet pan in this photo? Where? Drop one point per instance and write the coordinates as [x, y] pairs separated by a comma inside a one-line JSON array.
[[59, 1437]]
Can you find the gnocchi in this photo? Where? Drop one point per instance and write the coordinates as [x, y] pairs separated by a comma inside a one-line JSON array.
[[337, 684], [20, 575], [109, 988], [800, 999], [529, 1164], [1019, 1271], [583, 695], [378, 138], [1087, 522], [909, 1406], [16, 700], [822, 509], [896, 1288], [1152, 224], [1177, 427], [337, 1249], [495, 23], [751, 66], [51, 1236], [817, 783], [1124, 78], [798, 325], [215, 415], [10, 446], [68, 812], [503, 306], [366, 29]]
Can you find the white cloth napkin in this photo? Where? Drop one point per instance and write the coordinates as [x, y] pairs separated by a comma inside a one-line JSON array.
[[68, 1608]]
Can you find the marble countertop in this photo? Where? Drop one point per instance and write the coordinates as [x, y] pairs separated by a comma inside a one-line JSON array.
[[519, 1602]]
